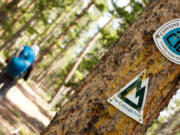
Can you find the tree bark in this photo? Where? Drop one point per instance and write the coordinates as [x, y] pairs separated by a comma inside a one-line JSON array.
[[89, 113]]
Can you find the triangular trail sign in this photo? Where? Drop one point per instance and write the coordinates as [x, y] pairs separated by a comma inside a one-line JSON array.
[[131, 98]]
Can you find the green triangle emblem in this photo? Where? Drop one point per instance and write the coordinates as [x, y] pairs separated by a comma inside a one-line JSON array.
[[131, 98]]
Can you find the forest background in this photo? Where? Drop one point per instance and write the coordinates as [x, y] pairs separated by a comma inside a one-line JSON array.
[[72, 36]]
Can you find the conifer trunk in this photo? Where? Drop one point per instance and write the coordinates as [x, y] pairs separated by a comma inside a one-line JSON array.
[[89, 113], [19, 17]]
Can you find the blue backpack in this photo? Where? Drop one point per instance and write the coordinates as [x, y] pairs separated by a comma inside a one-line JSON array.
[[19, 64], [27, 54]]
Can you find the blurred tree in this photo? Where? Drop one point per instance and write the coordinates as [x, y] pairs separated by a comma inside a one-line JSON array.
[[60, 24], [11, 6], [75, 21], [64, 30], [54, 63], [77, 63], [10, 42]]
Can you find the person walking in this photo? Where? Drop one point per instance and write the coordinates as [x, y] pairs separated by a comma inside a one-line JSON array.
[[20, 66]]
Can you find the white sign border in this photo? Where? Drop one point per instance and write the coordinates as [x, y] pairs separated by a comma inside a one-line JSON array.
[[120, 102], [161, 45]]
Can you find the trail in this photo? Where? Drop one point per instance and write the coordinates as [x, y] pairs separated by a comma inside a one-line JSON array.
[[24, 111]]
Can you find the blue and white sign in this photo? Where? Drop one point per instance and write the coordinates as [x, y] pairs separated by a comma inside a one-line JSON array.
[[167, 39]]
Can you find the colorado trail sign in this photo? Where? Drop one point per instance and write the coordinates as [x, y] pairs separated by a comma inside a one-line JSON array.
[[131, 98]]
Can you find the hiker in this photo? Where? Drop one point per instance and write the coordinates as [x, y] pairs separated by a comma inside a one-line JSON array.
[[20, 66]]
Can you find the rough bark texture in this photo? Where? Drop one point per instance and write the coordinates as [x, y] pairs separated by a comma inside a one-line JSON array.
[[88, 111], [172, 127]]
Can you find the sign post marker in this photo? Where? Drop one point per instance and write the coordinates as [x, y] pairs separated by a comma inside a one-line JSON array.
[[131, 98]]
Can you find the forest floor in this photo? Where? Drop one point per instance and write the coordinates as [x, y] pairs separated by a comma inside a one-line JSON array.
[[24, 111]]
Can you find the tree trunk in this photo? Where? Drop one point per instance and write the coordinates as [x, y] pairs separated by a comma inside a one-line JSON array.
[[55, 62], [172, 127], [76, 64], [65, 17], [21, 3], [88, 111]]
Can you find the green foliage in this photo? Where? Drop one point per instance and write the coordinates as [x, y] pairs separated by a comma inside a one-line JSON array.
[[72, 84], [101, 5], [108, 38], [7, 26], [46, 4], [44, 18], [67, 2], [31, 30], [57, 106], [88, 63], [145, 1], [128, 17]]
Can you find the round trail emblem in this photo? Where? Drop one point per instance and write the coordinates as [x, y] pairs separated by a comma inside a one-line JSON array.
[[167, 39]]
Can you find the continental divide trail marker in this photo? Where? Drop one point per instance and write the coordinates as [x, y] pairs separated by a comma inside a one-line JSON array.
[[131, 98], [167, 39]]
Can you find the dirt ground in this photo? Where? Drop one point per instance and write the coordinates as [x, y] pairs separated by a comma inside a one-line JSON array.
[[24, 111]]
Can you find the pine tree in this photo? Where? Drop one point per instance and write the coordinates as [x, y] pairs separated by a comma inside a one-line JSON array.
[[88, 111]]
